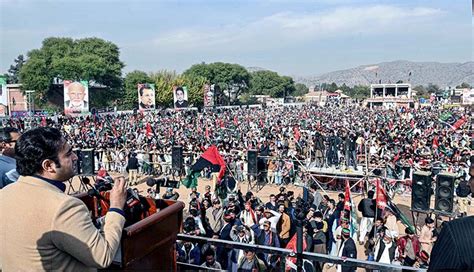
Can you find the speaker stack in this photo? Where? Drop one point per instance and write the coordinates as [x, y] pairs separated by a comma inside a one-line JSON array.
[[252, 161], [421, 191], [177, 159], [87, 163], [444, 196]]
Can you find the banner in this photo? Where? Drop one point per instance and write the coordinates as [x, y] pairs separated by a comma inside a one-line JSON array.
[[146, 96], [180, 97], [381, 197], [208, 96], [76, 97]]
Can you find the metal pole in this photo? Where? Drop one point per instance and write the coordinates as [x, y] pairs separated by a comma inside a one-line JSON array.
[[299, 243]]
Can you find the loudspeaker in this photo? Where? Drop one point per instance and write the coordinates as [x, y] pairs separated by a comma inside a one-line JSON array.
[[252, 162], [77, 166], [444, 196], [177, 158], [87, 164], [420, 191]]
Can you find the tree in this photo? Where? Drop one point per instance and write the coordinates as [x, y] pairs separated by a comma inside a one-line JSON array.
[[132, 79], [360, 92], [433, 88], [232, 79], [421, 91], [463, 85], [14, 71], [92, 59], [266, 82], [300, 89]]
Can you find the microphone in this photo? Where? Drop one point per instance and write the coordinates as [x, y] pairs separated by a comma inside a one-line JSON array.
[[159, 181]]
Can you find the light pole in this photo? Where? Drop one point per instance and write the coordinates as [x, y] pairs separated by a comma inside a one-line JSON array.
[[30, 102]]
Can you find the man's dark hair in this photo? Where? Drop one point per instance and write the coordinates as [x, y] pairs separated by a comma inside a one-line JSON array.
[[143, 87], [209, 252], [179, 89], [370, 194], [5, 134], [35, 146]]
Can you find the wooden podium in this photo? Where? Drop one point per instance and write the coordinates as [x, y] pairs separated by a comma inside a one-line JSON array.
[[150, 243]]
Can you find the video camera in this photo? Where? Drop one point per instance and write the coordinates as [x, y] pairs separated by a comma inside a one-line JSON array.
[[163, 182]]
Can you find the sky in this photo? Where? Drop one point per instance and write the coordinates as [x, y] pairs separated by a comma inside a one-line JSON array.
[[291, 37]]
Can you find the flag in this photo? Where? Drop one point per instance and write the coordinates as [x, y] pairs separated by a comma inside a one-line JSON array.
[[236, 120], [297, 133], [347, 197], [291, 261], [43, 121], [350, 207], [458, 123], [212, 159], [381, 196], [149, 131]]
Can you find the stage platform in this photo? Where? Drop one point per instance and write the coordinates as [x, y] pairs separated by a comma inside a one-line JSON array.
[[334, 172]]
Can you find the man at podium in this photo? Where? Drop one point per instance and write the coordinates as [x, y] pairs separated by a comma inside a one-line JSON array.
[[42, 228]]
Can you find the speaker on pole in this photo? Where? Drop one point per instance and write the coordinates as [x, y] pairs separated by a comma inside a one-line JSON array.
[[444, 196], [252, 162], [177, 158], [421, 191], [87, 164]]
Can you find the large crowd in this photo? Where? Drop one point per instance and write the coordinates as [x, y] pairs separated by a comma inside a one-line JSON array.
[[397, 141]]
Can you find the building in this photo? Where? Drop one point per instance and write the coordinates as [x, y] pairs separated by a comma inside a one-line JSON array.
[[390, 95]]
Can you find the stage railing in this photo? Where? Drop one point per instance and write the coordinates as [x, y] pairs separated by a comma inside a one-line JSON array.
[[324, 258]]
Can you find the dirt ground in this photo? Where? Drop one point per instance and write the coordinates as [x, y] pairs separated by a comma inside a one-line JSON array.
[[403, 202]]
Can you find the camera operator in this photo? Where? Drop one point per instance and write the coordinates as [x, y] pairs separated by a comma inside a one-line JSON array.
[[42, 228]]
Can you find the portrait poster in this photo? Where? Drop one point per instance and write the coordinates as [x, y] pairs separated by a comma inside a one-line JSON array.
[[76, 97], [146, 96], [180, 97], [208, 96]]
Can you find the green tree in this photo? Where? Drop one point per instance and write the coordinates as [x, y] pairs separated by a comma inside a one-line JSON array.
[[421, 91], [463, 85], [130, 97], [231, 79], [360, 92], [164, 81], [92, 59], [14, 71], [300, 89], [266, 82], [433, 88]]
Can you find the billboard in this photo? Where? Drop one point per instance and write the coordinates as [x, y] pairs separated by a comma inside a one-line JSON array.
[[180, 97], [76, 97], [3, 96], [146, 96], [208, 95]]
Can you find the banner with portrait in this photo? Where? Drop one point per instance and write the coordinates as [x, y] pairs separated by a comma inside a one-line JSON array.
[[3, 96], [76, 97], [208, 95], [180, 97], [146, 96]]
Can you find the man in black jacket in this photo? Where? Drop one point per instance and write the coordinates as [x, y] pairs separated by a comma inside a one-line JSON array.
[[367, 208], [132, 169], [454, 248], [348, 250]]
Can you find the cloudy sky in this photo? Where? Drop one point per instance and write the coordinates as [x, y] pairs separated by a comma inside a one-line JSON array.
[[293, 37]]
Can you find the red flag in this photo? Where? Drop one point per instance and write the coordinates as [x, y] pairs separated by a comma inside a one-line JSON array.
[[149, 131], [390, 124], [297, 134], [412, 123], [236, 120], [292, 246], [214, 157], [435, 142], [381, 197], [222, 123], [458, 123], [347, 197], [43, 121]]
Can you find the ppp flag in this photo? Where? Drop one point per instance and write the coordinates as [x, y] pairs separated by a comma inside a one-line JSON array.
[[212, 159]]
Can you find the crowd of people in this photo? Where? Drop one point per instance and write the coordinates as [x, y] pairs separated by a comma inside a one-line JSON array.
[[397, 141]]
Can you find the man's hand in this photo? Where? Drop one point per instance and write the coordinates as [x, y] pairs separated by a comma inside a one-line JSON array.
[[118, 194]]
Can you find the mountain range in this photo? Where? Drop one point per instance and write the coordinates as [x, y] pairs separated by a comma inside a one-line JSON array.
[[416, 73]]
